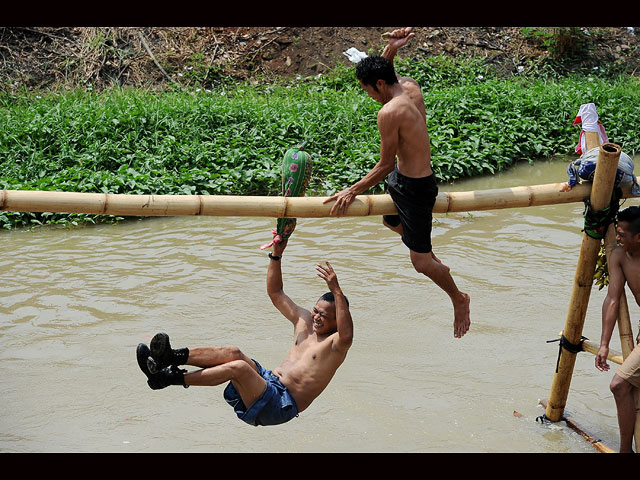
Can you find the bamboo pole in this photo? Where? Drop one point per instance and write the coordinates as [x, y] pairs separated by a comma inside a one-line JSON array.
[[277, 207], [595, 442], [583, 281], [593, 347]]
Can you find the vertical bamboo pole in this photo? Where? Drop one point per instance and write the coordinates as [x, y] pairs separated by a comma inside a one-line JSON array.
[[601, 190]]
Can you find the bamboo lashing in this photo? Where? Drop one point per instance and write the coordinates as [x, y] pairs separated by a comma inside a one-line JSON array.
[[593, 347], [601, 191], [265, 206]]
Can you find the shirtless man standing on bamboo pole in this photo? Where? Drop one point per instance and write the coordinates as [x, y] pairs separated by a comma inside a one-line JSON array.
[[321, 340], [624, 267], [411, 183]]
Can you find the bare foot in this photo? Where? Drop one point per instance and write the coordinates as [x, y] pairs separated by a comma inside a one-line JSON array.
[[461, 320]]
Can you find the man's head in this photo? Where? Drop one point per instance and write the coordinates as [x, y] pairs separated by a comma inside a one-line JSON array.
[[323, 314], [373, 70], [628, 228]]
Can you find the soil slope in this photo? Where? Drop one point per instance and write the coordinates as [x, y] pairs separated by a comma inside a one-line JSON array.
[[69, 57]]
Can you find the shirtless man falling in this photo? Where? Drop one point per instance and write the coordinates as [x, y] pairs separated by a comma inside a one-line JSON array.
[[411, 183], [322, 338]]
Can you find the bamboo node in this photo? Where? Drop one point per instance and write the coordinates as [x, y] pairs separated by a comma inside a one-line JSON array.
[[200, 205]]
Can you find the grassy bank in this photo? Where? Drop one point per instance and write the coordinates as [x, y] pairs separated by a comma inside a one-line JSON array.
[[232, 140]]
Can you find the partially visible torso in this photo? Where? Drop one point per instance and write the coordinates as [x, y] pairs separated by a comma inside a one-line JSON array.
[[309, 367], [631, 269], [414, 152]]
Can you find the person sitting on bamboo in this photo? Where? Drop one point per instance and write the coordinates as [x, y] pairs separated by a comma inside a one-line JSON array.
[[322, 338], [624, 267]]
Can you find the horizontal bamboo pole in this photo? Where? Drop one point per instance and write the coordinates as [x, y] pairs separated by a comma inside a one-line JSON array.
[[593, 347], [278, 207]]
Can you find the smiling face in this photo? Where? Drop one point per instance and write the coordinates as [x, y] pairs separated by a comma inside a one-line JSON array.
[[323, 317], [625, 237]]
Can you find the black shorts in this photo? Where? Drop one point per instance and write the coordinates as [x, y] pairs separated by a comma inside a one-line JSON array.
[[414, 199]]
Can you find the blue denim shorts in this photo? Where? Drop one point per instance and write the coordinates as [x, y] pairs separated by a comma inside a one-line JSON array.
[[273, 407]]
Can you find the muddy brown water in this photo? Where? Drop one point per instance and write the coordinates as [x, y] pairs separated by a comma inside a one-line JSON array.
[[75, 302]]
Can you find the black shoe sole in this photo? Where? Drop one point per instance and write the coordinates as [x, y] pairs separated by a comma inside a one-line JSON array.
[[155, 381], [160, 353]]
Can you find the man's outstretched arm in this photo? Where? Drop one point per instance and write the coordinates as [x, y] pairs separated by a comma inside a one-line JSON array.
[[275, 288], [610, 308], [397, 39], [389, 138]]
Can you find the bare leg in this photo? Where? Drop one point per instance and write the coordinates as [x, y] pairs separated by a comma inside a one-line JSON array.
[[626, 407], [223, 364], [211, 356], [429, 265]]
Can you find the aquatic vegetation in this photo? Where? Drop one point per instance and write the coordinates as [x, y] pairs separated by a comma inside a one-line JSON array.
[[231, 141]]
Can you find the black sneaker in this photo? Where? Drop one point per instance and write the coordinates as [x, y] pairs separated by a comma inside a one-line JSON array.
[[161, 354], [164, 377]]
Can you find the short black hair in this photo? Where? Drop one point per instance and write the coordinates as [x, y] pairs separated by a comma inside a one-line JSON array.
[[631, 215], [373, 68], [328, 297]]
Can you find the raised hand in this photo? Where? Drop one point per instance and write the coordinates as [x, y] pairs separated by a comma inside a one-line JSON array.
[[399, 37], [328, 275]]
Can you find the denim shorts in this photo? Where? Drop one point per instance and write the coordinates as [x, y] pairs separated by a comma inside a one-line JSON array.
[[273, 407]]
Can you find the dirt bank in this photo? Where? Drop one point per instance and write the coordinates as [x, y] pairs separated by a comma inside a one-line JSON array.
[[99, 57]]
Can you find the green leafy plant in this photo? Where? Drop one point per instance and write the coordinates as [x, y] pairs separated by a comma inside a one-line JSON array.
[[231, 140]]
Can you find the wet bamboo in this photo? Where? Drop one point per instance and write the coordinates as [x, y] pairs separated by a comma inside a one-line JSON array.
[[583, 281], [264, 206]]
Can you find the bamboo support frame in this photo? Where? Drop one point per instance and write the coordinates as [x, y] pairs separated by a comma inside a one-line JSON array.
[[583, 281], [279, 207], [595, 442]]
